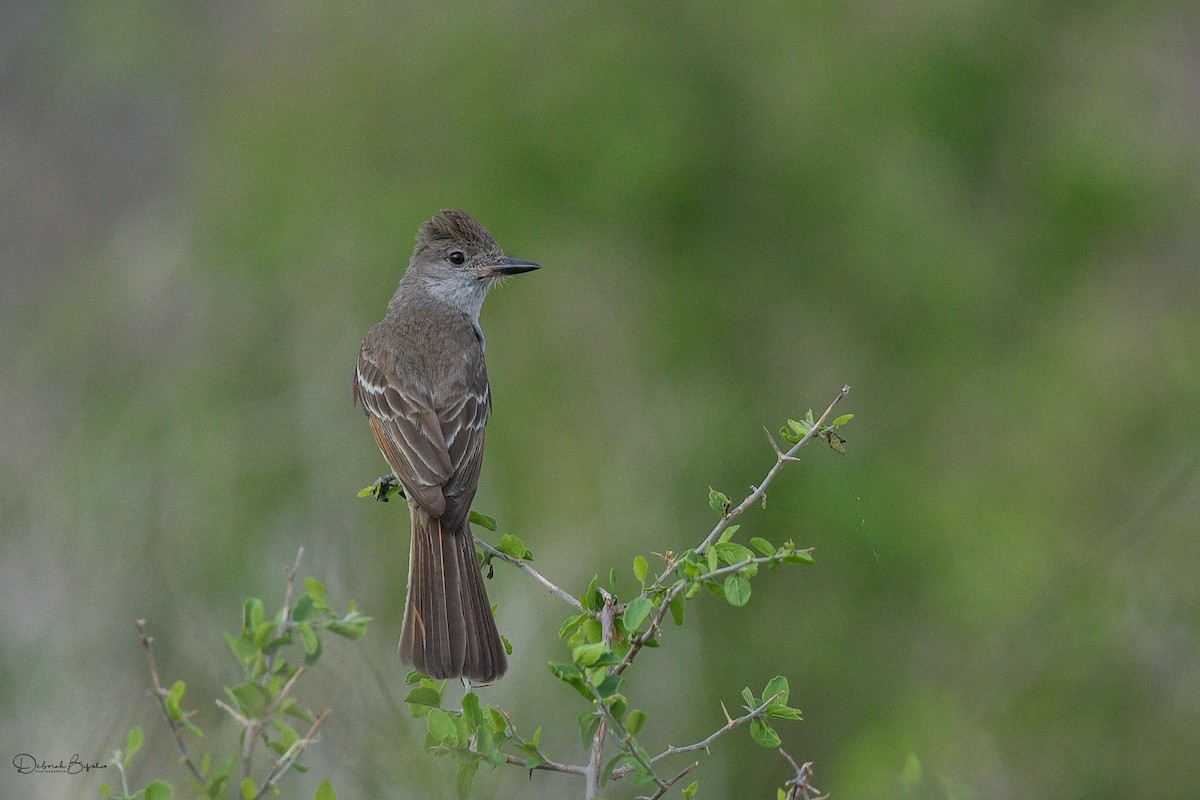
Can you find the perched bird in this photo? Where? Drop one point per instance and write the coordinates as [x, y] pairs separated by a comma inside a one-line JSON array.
[[423, 384]]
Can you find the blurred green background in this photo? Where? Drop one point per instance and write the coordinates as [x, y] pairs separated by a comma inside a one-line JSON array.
[[981, 216]]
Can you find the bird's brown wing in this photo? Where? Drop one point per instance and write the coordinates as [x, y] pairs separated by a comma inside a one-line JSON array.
[[463, 426], [408, 432]]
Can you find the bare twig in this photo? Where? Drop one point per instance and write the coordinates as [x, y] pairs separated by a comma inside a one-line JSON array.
[[522, 565], [666, 787], [706, 742], [780, 459], [233, 712], [547, 763], [285, 623], [543, 764], [799, 786], [290, 757], [596, 758], [162, 694]]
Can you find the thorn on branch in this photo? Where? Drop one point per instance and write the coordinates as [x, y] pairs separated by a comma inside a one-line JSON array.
[[146, 640], [799, 788]]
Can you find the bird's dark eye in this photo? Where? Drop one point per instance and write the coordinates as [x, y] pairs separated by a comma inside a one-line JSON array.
[[457, 257]]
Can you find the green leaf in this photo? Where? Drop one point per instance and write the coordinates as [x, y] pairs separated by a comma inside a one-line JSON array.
[[293, 709], [242, 647], [463, 777], [174, 700], [483, 520], [586, 655], [352, 626], [249, 789], [486, 743], [690, 791], [303, 610], [316, 590], [570, 624], [471, 711], [799, 428], [252, 614], [842, 420], [499, 724], [762, 545], [325, 791], [639, 568], [677, 609], [711, 555], [566, 672], [606, 773], [441, 727], [777, 686], [424, 696], [588, 722], [368, 492], [609, 686], [762, 732], [636, 612], [748, 696], [312, 645], [635, 721], [728, 533], [718, 501], [263, 634], [737, 590], [591, 597], [732, 553], [159, 790], [784, 712], [511, 545], [798, 557], [251, 698], [133, 743]]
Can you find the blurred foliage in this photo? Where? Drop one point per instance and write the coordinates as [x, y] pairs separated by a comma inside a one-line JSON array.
[[981, 216]]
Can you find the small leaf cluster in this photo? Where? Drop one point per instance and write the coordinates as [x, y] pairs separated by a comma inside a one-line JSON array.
[[261, 703], [383, 489], [598, 661], [798, 429], [155, 790], [471, 735], [772, 703], [262, 640], [726, 567]]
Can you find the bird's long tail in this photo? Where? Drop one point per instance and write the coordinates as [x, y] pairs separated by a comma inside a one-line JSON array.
[[449, 630]]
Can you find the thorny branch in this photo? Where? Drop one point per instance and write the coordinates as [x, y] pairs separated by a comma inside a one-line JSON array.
[[162, 694], [705, 743], [798, 788], [252, 726], [523, 565]]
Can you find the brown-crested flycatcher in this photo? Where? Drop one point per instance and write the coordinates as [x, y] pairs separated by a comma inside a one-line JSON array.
[[422, 382]]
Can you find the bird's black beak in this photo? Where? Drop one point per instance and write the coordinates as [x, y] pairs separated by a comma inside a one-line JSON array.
[[513, 266]]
